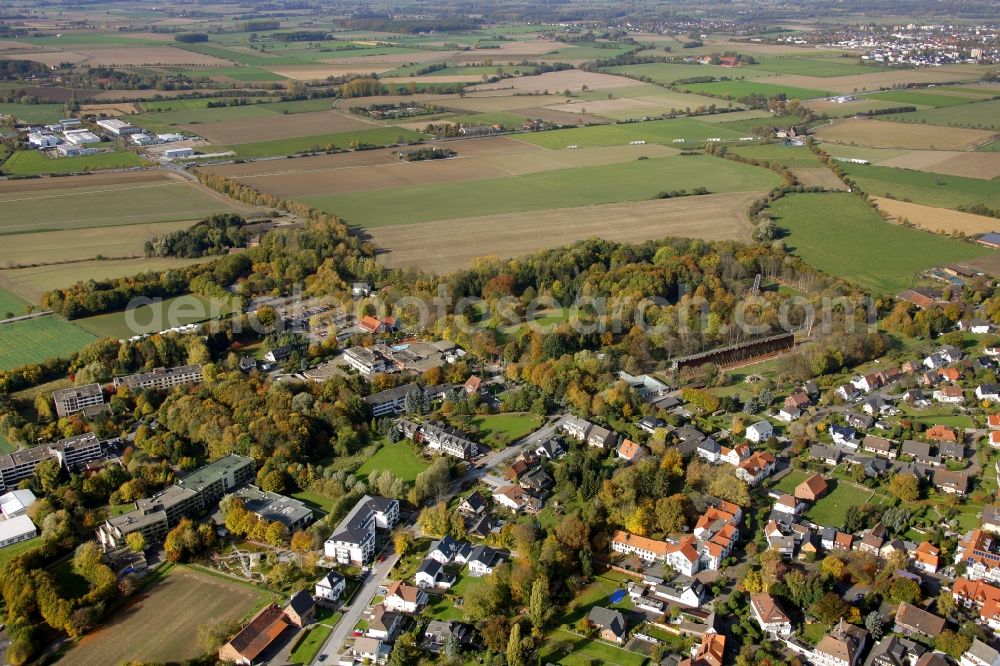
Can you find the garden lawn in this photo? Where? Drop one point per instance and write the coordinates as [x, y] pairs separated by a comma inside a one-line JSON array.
[[342, 140], [569, 649], [36, 163], [831, 509], [399, 458], [788, 482], [640, 180], [595, 594], [35, 340], [839, 234], [7, 553], [306, 650], [315, 502], [930, 189], [513, 426]]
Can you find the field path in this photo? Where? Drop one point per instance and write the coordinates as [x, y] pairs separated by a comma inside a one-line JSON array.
[[448, 245]]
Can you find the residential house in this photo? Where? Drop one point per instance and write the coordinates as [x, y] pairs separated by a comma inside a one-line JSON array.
[[330, 587], [798, 400], [879, 446], [950, 395], [989, 392], [859, 421], [473, 505], [472, 385], [841, 646], [301, 609], [760, 431], [868, 383], [954, 483], [787, 504], [955, 451], [484, 560], [811, 489], [787, 415], [990, 521], [920, 452], [630, 451], [942, 433], [552, 448], [844, 436], [371, 650], [439, 632], [384, 624], [353, 541], [980, 554], [993, 421], [895, 651], [827, 454], [912, 621], [404, 598], [516, 499], [847, 392], [756, 468], [649, 424], [981, 596], [927, 557], [610, 623], [980, 654], [710, 652], [649, 550], [769, 616], [431, 574]]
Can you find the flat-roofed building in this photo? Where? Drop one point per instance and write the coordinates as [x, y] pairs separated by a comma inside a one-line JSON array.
[[273, 507], [21, 464], [367, 361], [16, 502], [72, 400], [117, 127], [161, 378], [19, 528], [79, 450]]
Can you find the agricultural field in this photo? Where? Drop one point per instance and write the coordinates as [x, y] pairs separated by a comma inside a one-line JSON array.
[[824, 230], [884, 134], [937, 219], [37, 163], [634, 106], [846, 109], [381, 136], [270, 128], [789, 156], [682, 130], [556, 82], [31, 283], [931, 189], [925, 97], [666, 73], [11, 305], [982, 115], [105, 200], [176, 606], [590, 185], [737, 89], [33, 113], [154, 317], [435, 246], [34, 340], [978, 165], [818, 177], [828, 67]]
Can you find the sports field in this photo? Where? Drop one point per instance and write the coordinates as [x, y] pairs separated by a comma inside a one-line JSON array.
[[176, 606], [932, 189], [630, 181], [154, 317], [36, 163], [841, 235], [103, 201], [34, 340]]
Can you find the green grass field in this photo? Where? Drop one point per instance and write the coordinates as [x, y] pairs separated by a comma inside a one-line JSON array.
[[653, 131], [666, 73], [33, 113], [378, 136], [36, 163], [984, 115], [788, 482], [920, 98], [315, 502], [306, 650], [235, 73], [399, 458], [11, 304], [630, 181], [840, 235], [513, 426], [932, 189], [155, 317], [831, 509], [738, 89], [8, 552], [34, 340], [790, 156], [823, 67], [569, 649]]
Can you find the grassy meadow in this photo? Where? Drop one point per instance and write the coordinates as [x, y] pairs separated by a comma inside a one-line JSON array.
[[34, 340]]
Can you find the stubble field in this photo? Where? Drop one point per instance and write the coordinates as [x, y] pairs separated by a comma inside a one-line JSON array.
[[271, 128], [938, 219], [882, 134]]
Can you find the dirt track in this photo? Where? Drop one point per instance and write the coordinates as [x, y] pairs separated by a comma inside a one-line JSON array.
[[449, 245]]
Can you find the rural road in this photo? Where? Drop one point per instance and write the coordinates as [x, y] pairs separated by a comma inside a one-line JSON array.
[[330, 652]]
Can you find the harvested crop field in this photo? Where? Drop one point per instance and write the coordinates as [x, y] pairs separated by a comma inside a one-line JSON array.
[[874, 81], [50, 247], [881, 134], [120, 109], [556, 82], [632, 107], [270, 128], [147, 55], [80, 202], [449, 245], [320, 72], [819, 177], [937, 219], [562, 117], [394, 173], [955, 163], [176, 606]]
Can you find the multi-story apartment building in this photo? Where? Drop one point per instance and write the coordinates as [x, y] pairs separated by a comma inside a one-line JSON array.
[[76, 451], [353, 541], [21, 464], [161, 378], [75, 399]]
